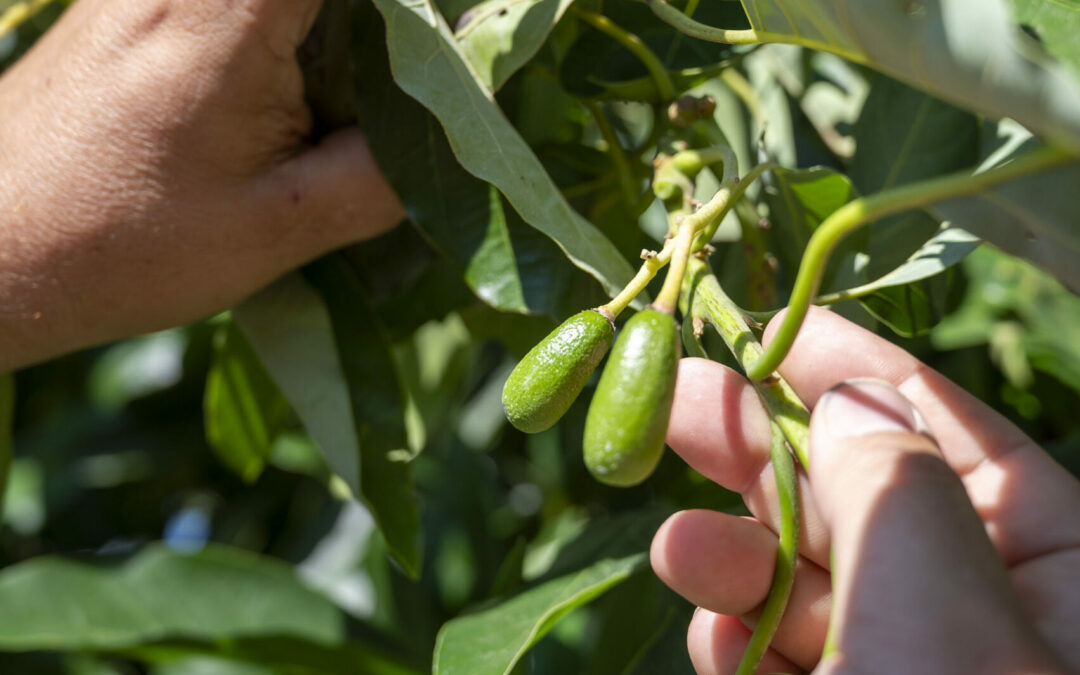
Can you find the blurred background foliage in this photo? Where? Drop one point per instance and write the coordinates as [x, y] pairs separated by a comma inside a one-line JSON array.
[[223, 542]]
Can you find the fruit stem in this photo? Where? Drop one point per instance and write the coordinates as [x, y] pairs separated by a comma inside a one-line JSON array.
[[669, 293], [859, 212]]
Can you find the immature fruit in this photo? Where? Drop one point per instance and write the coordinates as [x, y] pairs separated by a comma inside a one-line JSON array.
[[628, 418], [552, 374]]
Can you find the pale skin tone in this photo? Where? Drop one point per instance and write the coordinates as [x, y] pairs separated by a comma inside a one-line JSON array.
[[155, 168], [954, 537]]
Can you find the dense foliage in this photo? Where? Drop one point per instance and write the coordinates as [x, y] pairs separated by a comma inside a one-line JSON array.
[[323, 479]]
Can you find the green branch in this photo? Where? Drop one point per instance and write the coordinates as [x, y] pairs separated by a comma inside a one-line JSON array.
[[684, 24], [859, 212]]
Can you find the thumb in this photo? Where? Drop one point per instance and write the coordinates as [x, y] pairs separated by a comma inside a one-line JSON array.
[[914, 572], [336, 189]]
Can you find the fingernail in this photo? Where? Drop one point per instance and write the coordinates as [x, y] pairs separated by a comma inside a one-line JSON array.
[[865, 406]]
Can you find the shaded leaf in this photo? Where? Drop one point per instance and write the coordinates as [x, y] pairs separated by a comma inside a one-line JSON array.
[[244, 411], [492, 641], [289, 327], [428, 66], [215, 594], [1033, 217], [500, 36], [7, 421], [378, 408], [968, 52]]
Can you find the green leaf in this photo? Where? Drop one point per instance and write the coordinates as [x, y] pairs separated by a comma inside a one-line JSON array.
[[220, 593], [279, 654], [1057, 23], [7, 422], [1033, 217], [969, 52], [244, 411], [378, 408], [505, 263], [491, 642], [428, 65], [289, 327], [500, 36]]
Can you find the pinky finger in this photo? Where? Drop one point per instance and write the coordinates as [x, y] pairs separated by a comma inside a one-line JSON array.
[[717, 642]]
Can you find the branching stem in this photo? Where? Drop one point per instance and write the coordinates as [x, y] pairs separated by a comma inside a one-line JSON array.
[[859, 212]]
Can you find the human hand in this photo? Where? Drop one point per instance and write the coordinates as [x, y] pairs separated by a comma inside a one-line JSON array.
[[153, 170], [955, 543]]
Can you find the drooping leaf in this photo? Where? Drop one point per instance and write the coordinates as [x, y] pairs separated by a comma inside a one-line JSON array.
[[500, 36], [244, 410], [904, 135], [465, 219], [491, 642], [7, 420], [289, 327], [54, 604], [968, 52], [378, 408], [428, 65]]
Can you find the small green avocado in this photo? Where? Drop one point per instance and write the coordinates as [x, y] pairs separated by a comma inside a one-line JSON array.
[[546, 382], [628, 417]]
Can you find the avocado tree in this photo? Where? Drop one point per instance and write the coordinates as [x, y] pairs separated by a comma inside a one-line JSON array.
[[329, 466]]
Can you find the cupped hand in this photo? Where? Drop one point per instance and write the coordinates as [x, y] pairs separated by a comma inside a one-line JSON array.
[[154, 169], [955, 546]]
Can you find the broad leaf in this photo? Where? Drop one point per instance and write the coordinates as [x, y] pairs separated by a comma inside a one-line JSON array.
[[55, 604], [428, 65], [244, 410], [503, 262], [290, 329], [500, 36], [491, 642], [378, 408], [965, 51]]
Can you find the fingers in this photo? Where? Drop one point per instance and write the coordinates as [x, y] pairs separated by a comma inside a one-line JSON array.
[[1016, 488], [905, 537], [332, 195], [718, 425], [716, 643], [725, 564]]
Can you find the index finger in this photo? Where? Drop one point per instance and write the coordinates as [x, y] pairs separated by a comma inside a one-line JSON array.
[[1018, 490]]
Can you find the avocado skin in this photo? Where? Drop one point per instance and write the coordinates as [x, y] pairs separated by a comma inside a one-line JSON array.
[[628, 418], [545, 383]]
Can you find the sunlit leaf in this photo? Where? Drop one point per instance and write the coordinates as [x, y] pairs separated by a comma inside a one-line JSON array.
[[969, 52], [492, 641], [428, 66], [499, 36]]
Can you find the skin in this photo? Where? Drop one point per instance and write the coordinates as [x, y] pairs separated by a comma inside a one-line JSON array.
[[954, 536], [155, 169]]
